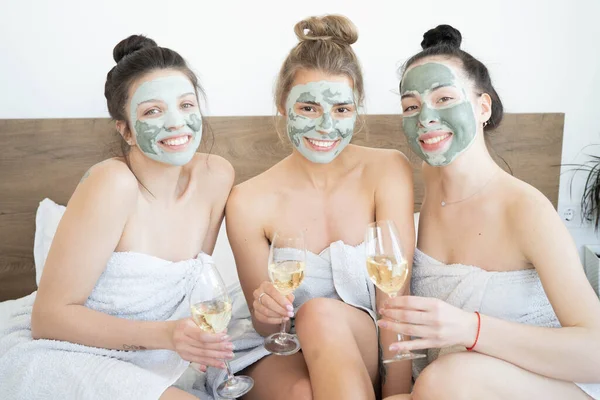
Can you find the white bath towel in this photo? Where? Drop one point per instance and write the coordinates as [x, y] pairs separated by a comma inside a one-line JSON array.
[[133, 286], [516, 296], [338, 272]]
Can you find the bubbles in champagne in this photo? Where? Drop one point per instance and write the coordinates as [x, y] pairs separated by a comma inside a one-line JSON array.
[[387, 274], [212, 316], [286, 275]]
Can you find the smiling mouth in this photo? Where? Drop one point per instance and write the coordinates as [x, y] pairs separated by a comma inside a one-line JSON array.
[[435, 141], [176, 143], [322, 145]]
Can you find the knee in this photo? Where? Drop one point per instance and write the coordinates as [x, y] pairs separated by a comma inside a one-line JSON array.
[[449, 377], [301, 390], [317, 312]]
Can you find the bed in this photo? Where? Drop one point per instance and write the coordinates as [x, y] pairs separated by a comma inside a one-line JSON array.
[[46, 158]]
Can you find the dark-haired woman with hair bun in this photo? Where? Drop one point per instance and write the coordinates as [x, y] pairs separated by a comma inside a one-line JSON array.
[[500, 302], [111, 315]]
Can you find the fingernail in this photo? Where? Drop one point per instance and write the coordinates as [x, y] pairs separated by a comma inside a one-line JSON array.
[[230, 355], [383, 324], [286, 319], [225, 337], [289, 308], [222, 366], [290, 314], [394, 347], [230, 346]]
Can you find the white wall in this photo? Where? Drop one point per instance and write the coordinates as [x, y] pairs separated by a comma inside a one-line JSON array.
[[544, 55]]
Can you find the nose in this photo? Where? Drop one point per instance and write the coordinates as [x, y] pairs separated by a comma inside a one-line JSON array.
[[325, 124], [174, 121], [428, 116]]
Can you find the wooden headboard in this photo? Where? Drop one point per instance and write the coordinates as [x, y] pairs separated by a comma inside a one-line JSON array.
[[47, 158]]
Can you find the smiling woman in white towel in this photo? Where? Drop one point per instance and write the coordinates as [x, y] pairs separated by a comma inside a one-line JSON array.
[[109, 310], [330, 190], [495, 270]]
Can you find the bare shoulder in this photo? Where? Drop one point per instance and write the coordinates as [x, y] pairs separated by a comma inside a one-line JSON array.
[[385, 162], [215, 168], [255, 195], [110, 181], [529, 212]]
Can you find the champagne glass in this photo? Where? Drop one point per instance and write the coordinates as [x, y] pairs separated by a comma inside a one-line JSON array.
[[387, 267], [287, 257], [211, 311]]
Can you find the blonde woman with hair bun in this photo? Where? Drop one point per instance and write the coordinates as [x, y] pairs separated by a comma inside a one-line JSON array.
[[330, 190]]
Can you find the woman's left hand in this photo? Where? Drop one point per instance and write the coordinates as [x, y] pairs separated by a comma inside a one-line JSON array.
[[435, 323]]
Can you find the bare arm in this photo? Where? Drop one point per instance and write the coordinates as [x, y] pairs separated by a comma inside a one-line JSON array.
[[86, 237], [570, 353], [251, 252], [223, 176], [394, 201]]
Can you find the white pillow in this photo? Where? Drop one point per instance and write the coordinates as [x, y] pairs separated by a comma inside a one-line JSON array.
[[46, 221]]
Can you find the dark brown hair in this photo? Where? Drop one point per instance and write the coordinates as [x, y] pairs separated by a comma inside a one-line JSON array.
[[445, 40]]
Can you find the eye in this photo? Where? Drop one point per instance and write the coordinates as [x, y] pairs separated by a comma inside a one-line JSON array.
[[188, 104], [444, 99], [152, 111], [308, 109], [343, 110], [410, 108]]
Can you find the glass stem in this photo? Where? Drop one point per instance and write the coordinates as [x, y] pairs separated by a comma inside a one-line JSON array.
[[230, 376], [283, 325]]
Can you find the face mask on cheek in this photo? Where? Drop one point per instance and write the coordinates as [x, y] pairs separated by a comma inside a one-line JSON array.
[[174, 122], [422, 128], [324, 130]]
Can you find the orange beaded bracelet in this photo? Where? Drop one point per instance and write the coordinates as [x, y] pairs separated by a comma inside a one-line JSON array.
[[478, 329]]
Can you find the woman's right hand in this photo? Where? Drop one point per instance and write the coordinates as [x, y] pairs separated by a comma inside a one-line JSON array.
[[270, 306], [197, 346]]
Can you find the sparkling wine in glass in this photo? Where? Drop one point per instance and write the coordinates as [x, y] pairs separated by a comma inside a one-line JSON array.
[[387, 267], [287, 258], [211, 311]]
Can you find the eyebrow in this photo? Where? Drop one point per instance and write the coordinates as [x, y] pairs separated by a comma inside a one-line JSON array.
[[441, 86], [408, 95], [162, 101], [314, 103]]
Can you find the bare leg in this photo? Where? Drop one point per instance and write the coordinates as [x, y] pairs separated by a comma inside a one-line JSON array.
[[399, 397], [173, 393], [339, 343], [476, 376], [279, 377]]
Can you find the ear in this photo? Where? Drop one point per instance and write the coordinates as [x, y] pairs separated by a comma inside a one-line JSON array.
[[123, 129], [485, 102], [282, 111]]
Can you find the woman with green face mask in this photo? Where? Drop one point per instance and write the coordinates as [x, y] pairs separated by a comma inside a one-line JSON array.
[[495, 271], [112, 301], [329, 190]]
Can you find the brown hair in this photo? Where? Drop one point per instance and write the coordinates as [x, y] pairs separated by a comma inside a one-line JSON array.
[[324, 46], [137, 56]]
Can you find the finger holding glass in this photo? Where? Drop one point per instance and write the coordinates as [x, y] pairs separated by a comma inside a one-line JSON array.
[[270, 306], [387, 267], [211, 311], [287, 258]]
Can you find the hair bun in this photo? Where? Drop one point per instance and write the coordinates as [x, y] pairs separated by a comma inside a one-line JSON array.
[[329, 27], [130, 45], [442, 35]]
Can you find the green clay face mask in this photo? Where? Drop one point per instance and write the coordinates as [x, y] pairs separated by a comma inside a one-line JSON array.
[[170, 130], [438, 118], [320, 119]]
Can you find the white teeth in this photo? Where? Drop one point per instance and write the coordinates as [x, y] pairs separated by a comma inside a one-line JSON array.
[[322, 144], [436, 139], [177, 141]]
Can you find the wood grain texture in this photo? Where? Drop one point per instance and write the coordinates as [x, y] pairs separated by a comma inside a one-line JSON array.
[[47, 158]]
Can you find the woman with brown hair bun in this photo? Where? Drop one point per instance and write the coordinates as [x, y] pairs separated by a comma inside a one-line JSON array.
[[330, 190]]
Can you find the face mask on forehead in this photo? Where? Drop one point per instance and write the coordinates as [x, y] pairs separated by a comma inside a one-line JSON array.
[[173, 136], [438, 130], [329, 132]]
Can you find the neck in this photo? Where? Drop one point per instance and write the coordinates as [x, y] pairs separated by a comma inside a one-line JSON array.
[[469, 173], [321, 176], [165, 182]]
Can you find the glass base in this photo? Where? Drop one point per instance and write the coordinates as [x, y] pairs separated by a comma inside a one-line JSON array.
[[404, 356], [235, 387], [282, 344]]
